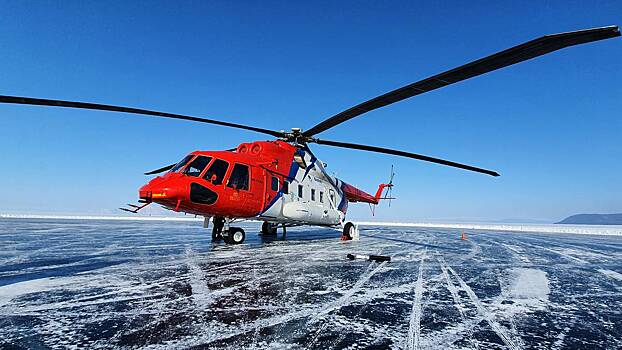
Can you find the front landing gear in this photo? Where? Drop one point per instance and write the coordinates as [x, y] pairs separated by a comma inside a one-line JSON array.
[[222, 230], [234, 235]]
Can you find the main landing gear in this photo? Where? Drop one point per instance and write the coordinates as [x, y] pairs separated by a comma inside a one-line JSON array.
[[268, 229], [350, 232], [222, 230]]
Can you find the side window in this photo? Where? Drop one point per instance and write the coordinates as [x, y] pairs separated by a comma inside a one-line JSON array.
[[275, 183], [286, 187], [239, 177], [300, 191], [195, 168], [321, 197], [313, 194], [332, 197], [202, 195], [216, 172]]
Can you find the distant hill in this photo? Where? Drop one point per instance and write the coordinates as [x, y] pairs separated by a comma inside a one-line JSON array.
[[593, 219]]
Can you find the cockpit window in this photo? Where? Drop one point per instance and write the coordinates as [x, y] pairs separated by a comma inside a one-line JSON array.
[[216, 172], [181, 163], [195, 168], [239, 177]]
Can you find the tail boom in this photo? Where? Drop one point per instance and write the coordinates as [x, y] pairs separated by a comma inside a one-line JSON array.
[[354, 194]]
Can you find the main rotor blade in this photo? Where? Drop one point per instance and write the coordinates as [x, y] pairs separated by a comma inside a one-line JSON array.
[[96, 106], [404, 154], [516, 54], [162, 169]]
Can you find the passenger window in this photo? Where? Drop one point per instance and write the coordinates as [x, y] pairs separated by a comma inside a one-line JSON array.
[[300, 191], [195, 168], [216, 172], [332, 197], [313, 194], [275, 184], [286, 187], [321, 197], [239, 177]]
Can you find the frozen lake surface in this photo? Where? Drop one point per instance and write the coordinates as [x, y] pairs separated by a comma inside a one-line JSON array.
[[156, 285]]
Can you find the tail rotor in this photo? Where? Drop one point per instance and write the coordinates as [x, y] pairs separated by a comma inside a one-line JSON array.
[[390, 186]]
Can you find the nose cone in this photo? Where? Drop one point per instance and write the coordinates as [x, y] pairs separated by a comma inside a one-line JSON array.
[[162, 189], [182, 193]]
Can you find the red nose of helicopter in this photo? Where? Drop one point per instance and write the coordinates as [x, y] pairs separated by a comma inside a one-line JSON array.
[[179, 192], [169, 190]]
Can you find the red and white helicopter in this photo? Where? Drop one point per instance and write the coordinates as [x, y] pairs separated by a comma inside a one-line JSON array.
[[281, 182]]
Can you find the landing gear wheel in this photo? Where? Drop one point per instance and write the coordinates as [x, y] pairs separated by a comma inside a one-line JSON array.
[[348, 231], [268, 229], [219, 223], [235, 236]]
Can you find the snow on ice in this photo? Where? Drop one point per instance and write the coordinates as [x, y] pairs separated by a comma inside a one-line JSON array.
[[152, 284]]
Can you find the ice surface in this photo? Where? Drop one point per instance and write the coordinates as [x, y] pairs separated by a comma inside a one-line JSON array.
[[615, 275], [71, 283]]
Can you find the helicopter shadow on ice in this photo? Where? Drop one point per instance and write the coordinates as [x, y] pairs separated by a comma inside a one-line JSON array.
[[255, 239], [425, 245]]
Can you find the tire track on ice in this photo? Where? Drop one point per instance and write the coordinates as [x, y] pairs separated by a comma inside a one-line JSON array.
[[514, 344], [557, 252], [197, 280], [414, 327], [518, 253], [343, 300], [581, 248], [209, 337], [454, 294], [342, 336]]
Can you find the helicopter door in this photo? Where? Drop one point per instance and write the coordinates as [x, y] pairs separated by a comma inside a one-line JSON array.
[[331, 198], [240, 191], [273, 185]]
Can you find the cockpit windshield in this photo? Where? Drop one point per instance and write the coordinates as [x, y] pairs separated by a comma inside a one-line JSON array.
[[181, 163], [195, 168]]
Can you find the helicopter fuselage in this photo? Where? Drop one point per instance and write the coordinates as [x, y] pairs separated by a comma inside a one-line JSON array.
[[273, 181]]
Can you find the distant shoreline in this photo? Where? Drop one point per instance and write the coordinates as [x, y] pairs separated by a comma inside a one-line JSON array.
[[609, 230]]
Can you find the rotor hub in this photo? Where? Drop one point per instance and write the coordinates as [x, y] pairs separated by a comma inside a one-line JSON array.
[[296, 136]]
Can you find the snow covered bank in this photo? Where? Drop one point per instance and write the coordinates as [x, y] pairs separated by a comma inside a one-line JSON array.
[[608, 230]]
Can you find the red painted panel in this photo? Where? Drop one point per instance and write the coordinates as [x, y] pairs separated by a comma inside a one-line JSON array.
[[172, 190]]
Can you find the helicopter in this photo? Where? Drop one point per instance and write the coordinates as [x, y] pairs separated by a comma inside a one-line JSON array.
[[280, 181]]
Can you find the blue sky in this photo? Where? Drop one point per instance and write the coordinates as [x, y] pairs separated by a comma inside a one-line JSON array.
[[551, 126]]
